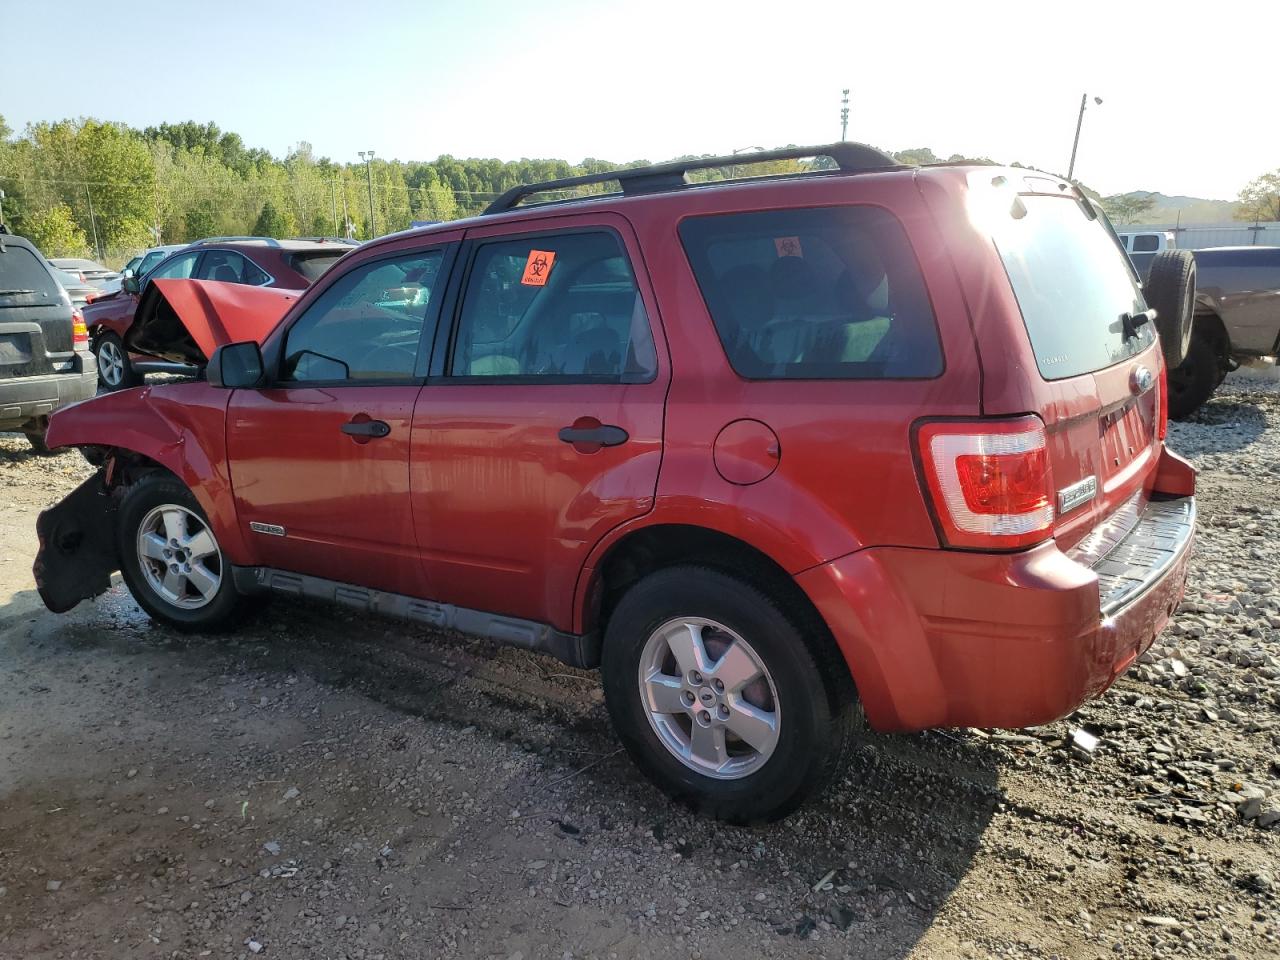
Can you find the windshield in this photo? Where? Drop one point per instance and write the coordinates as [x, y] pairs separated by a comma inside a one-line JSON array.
[[24, 280], [1073, 285]]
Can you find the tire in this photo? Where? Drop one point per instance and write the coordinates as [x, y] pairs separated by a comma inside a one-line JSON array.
[[802, 730], [1194, 380], [1170, 288], [199, 595], [115, 372], [35, 437]]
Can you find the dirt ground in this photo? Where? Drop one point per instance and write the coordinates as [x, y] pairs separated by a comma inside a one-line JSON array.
[[324, 785]]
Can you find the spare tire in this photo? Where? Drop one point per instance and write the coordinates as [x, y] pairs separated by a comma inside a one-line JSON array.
[[1171, 289]]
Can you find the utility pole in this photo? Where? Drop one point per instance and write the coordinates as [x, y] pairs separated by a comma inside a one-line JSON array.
[[1, 208], [1075, 144], [844, 116], [333, 204], [367, 156], [93, 223]]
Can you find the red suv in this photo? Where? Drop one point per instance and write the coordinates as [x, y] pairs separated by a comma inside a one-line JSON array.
[[764, 450], [255, 261]]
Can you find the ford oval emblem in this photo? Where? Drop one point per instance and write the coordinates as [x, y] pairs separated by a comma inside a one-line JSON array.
[[1140, 380]]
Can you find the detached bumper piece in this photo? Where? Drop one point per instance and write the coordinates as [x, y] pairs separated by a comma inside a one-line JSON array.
[[77, 546]]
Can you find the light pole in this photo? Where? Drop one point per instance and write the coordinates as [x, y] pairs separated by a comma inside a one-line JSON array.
[[734, 168], [367, 156], [1075, 144], [844, 116], [1, 208]]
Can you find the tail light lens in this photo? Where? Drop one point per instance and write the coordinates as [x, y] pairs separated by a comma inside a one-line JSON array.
[[79, 332], [90, 297], [989, 481]]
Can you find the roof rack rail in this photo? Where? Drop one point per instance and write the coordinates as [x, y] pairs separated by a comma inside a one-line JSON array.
[[269, 241], [848, 157]]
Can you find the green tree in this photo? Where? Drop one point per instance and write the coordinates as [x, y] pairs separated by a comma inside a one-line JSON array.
[[917, 155], [1127, 207], [56, 233], [1260, 198], [274, 222]]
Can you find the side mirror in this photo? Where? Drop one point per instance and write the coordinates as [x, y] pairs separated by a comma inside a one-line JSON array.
[[129, 282], [235, 366]]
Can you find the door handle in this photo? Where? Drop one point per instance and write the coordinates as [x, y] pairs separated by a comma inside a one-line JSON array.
[[366, 428], [602, 435]]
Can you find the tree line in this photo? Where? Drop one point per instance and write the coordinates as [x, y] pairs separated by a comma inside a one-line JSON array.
[[89, 187]]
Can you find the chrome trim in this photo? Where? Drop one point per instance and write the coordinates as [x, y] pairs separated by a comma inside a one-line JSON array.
[[1140, 559]]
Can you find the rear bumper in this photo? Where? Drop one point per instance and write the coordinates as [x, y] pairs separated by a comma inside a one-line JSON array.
[[942, 638], [25, 398]]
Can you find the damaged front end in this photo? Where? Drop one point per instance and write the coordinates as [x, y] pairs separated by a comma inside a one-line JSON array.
[[78, 551]]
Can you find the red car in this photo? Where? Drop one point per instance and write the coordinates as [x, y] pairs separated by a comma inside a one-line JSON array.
[[763, 450], [255, 261]]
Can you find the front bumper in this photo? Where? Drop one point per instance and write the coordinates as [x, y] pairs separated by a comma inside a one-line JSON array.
[[943, 638], [23, 399]]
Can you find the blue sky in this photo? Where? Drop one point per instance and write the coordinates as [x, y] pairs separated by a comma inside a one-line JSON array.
[[1187, 109]]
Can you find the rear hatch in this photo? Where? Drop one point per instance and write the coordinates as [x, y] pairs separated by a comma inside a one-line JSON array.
[[1094, 368], [35, 316]]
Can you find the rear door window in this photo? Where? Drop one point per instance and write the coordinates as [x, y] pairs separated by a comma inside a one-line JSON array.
[[24, 280], [816, 293], [554, 308], [1073, 285], [1146, 243]]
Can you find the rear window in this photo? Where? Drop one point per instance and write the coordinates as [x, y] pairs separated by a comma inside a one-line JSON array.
[[1073, 286], [24, 280], [312, 265], [818, 293], [1146, 243]]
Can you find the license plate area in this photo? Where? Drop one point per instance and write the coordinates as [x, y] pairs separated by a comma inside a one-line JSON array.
[[15, 348]]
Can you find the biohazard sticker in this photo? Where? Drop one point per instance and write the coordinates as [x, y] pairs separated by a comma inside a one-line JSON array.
[[538, 267], [788, 246]]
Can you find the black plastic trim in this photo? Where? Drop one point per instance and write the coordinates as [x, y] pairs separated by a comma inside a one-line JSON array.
[[577, 650]]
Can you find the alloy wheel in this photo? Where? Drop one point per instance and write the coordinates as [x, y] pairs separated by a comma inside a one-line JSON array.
[[179, 556], [110, 363], [709, 698]]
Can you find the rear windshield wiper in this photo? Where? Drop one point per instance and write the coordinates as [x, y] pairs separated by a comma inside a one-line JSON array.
[[1130, 322]]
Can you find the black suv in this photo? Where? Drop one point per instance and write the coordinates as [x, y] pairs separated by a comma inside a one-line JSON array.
[[45, 361]]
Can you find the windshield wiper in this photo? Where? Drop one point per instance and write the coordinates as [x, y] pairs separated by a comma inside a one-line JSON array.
[[1130, 322], [5, 293]]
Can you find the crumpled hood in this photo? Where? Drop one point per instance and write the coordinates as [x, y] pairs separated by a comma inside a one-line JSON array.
[[186, 320]]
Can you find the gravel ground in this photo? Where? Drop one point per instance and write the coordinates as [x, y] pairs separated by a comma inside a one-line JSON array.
[[327, 786]]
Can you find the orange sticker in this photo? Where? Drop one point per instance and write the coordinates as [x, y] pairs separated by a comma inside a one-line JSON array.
[[538, 267], [788, 246]]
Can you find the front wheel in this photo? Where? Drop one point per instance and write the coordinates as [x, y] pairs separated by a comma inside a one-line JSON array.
[[719, 698], [170, 558], [115, 372]]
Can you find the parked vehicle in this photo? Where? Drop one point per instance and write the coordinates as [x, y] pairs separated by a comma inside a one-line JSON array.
[[87, 271], [255, 261], [141, 265], [760, 449], [1237, 319], [1142, 246], [45, 362], [80, 292]]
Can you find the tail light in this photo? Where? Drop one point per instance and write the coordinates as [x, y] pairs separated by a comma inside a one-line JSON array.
[[989, 481], [79, 332], [1162, 403]]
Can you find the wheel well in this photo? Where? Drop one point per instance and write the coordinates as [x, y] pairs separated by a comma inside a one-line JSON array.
[[1209, 325], [653, 548]]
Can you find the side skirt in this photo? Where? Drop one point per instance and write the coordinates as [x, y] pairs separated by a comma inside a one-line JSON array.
[[577, 650]]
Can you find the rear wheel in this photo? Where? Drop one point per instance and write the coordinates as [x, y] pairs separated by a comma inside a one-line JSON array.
[[1194, 380], [171, 560], [718, 696], [115, 372]]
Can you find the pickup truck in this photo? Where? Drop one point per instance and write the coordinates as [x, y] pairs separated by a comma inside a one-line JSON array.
[[1237, 318], [1143, 245]]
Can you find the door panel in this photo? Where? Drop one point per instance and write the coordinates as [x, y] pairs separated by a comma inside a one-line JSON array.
[[554, 331], [342, 500]]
